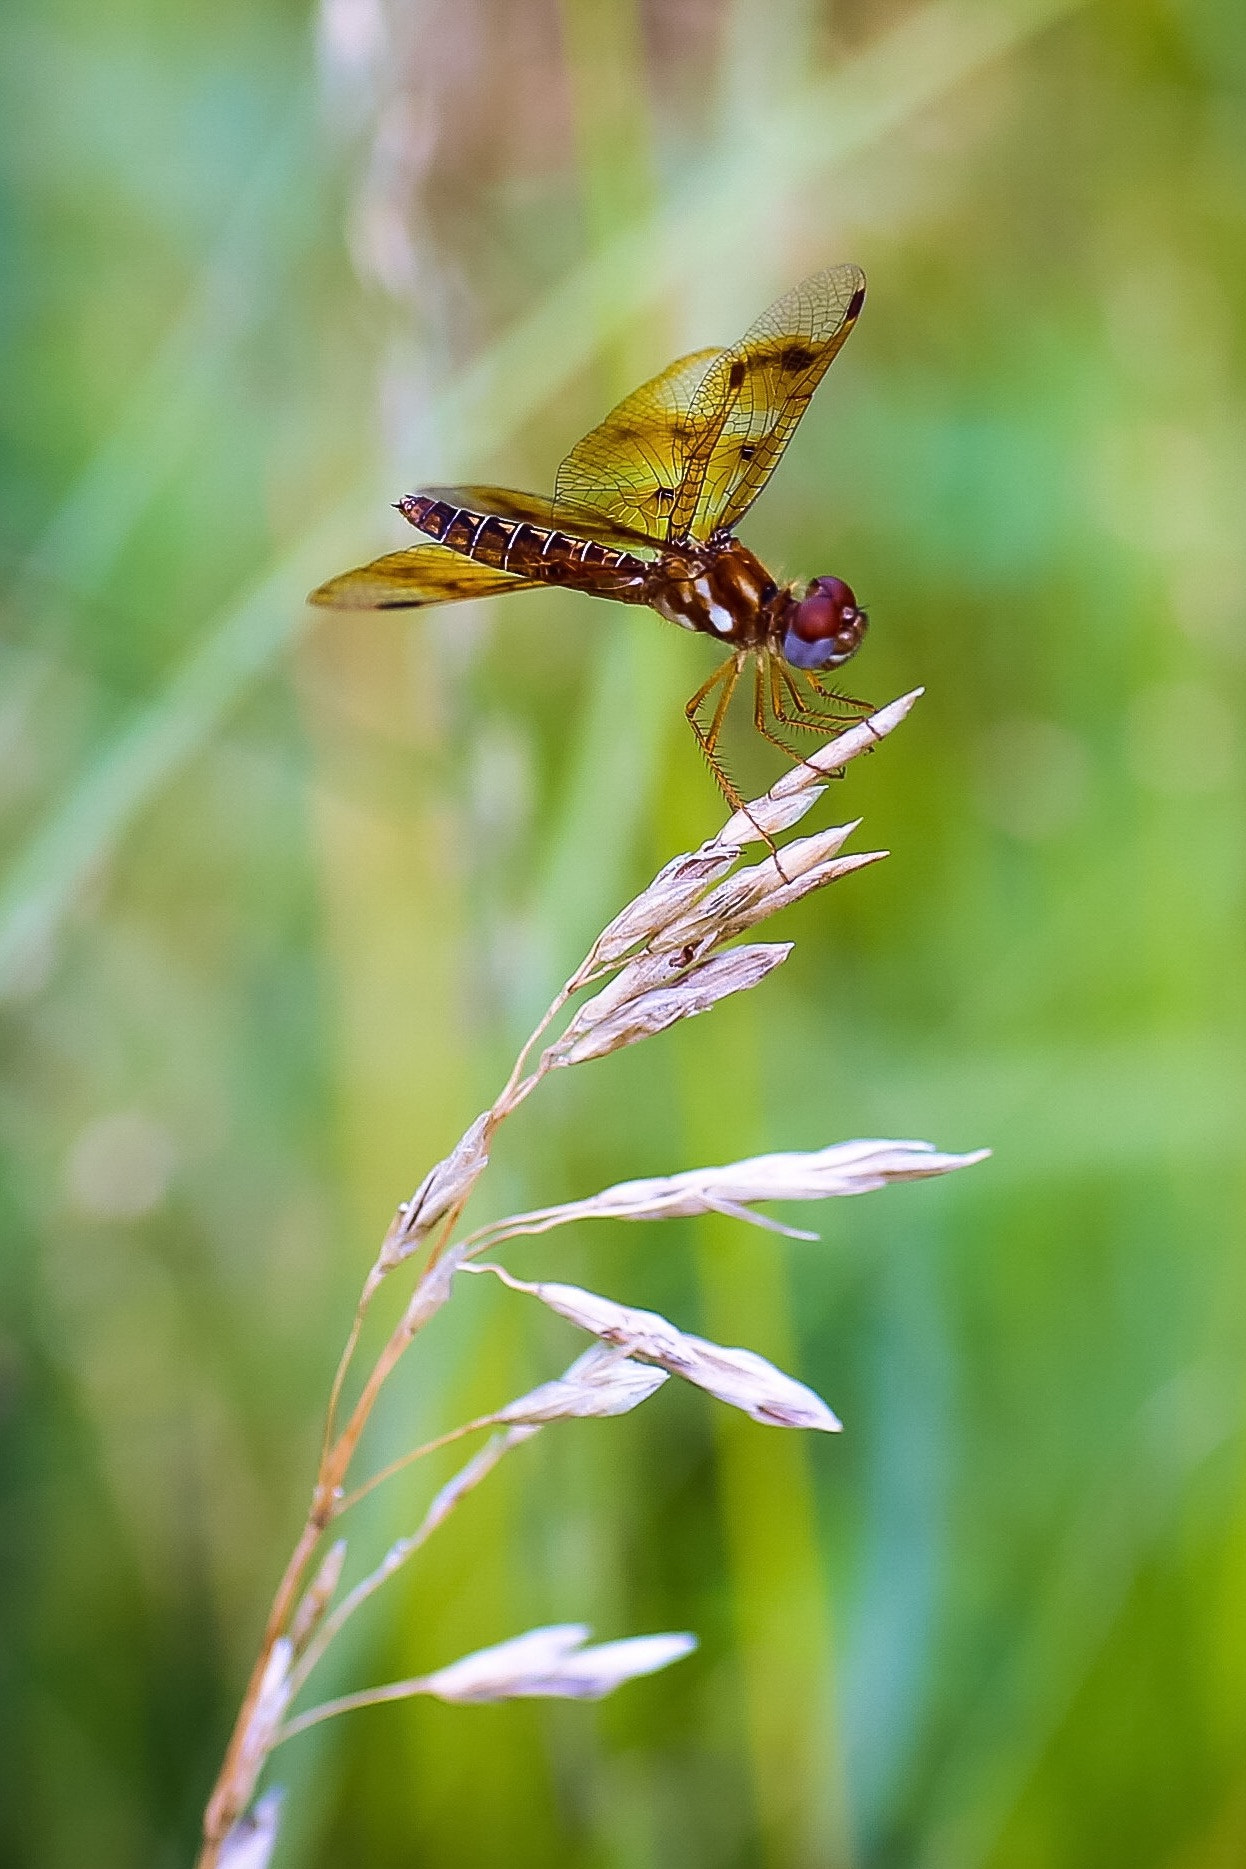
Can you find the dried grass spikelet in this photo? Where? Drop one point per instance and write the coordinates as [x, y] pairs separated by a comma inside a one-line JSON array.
[[662, 951], [251, 1842], [555, 1662], [845, 1168], [645, 999], [666, 956], [601, 1383], [740, 1378], [664, 943], [317, 1597]]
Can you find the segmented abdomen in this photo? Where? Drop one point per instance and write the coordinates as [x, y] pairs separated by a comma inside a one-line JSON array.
[[527, 550]]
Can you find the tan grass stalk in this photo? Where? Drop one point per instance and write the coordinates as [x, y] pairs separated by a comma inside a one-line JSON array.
[[661, 959]]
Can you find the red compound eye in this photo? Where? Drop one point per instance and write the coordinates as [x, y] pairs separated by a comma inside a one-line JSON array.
[[825, 627]]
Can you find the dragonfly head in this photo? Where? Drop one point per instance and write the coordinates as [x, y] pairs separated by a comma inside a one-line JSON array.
[[824, 627]]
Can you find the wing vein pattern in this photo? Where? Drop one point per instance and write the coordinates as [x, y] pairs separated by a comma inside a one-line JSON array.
[[423, 574], [749, 402]]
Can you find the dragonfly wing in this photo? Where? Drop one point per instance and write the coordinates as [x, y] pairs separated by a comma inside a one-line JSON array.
[[629, 468], [424, 574], [535, 510], [746, 407]]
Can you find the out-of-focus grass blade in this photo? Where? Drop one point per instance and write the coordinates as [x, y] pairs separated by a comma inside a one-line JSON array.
[[717, 218], [80, 541], [1124, 1517], [77, 837]]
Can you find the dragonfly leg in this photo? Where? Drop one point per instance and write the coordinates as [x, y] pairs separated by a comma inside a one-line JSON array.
[[805, 719], [707, 739], [838, 697], [707, 688], [781, 684], [727, 674], [840, 709], [763, 693], [828, 706], [724, 701]]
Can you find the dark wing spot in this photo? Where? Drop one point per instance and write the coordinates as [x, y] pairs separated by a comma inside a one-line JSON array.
[[795, 357], [747, 452], [664, 493], [736, 375], [856, 302]]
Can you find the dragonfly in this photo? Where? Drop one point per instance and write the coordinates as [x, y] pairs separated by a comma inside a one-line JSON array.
[[644, 511]]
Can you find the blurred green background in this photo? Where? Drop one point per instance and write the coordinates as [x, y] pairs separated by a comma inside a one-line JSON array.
[[283, 891]]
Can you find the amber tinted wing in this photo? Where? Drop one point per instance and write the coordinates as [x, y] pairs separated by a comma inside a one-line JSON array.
[[551, 515], [629, 468], [748, 404], [425, 574]]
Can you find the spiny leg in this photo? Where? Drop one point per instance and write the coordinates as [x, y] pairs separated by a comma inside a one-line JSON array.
[[724, 701], [708, 687], [783, 681], [841, 707], [837, 695], [765, 687], [707, 739], [728, 673], [763, 676], [844, 706], [805, 718]]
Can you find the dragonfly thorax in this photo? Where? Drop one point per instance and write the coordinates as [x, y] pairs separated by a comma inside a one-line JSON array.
[[720, 589]]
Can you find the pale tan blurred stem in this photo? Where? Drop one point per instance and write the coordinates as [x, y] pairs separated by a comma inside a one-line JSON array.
[[349, 1703], [228, 1799], [230, 1794], [416, 1453]]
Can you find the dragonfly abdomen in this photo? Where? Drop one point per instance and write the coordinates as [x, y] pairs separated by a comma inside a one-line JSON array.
[[527, 550]]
